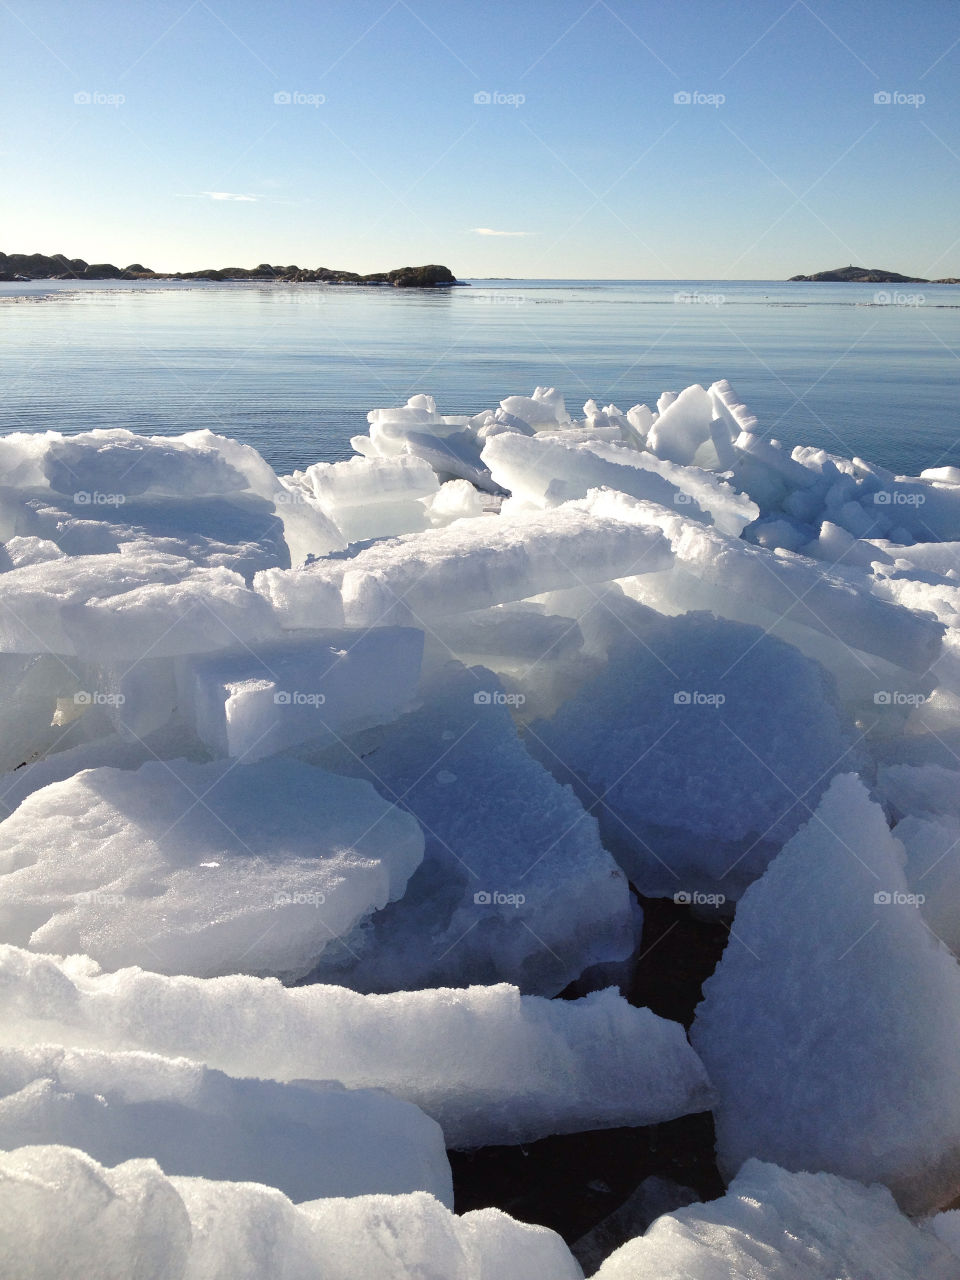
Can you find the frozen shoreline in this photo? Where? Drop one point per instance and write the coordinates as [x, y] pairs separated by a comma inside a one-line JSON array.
[[419, 726]]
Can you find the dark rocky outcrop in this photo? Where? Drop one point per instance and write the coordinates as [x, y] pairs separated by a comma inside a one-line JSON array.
[[862, 275], [39, 266], [420, 277], [57, 266], [428, 277], [101, 271]]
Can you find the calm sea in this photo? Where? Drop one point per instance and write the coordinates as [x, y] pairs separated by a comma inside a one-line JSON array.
[[293, 369]]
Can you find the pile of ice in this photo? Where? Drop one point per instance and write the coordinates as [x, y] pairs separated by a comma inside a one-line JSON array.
[[316, 789], [66, 1217]]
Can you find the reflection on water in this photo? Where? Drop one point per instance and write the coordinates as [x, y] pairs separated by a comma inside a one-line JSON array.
[[871, 370]]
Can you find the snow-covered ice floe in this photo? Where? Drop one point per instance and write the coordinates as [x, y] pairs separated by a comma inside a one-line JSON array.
[[786, 1226], [63, 1216], [202, 868], [315, 790], [307, 1140], [831, 1028], [491, 1065]]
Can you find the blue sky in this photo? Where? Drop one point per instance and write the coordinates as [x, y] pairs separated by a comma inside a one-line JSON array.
[[582, 162]]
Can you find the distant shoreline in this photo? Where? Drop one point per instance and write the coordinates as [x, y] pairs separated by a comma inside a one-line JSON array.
[[23, 267], [505, 282]]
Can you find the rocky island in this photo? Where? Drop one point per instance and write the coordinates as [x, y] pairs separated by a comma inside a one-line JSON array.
[[39, 266], [868, 275]]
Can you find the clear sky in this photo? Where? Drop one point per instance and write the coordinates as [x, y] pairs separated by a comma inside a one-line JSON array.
[[152, 132]]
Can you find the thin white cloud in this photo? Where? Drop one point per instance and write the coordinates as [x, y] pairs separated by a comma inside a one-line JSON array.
[[489, 231]]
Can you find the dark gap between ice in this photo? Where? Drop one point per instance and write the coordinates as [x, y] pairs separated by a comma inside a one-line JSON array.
[[573, 1182]]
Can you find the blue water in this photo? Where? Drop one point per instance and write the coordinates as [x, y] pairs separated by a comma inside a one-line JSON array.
[[293, 369]]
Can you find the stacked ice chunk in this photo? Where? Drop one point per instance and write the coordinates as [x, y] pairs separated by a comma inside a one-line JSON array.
[[317, 789], [201, 868]]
